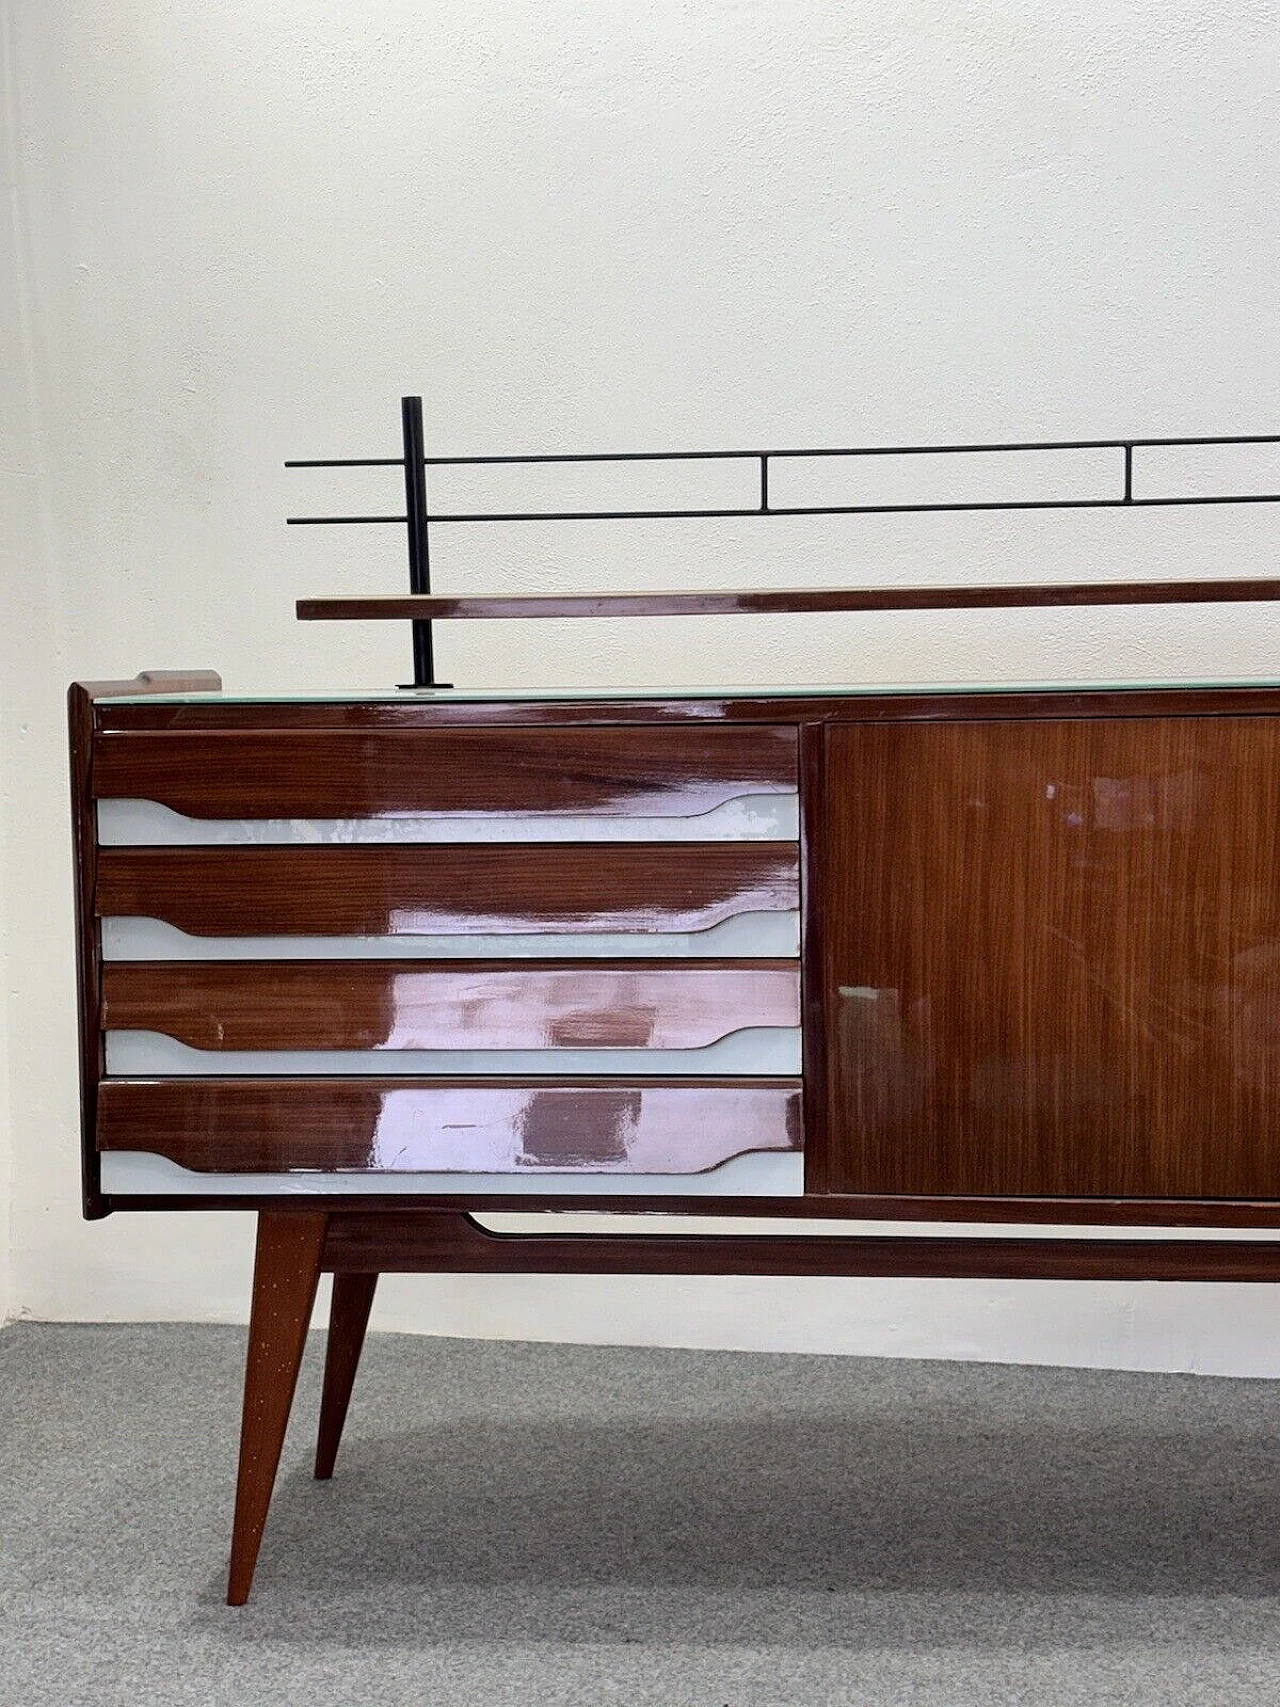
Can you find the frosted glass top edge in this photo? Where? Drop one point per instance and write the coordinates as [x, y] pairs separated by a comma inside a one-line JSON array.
[[571, 695]]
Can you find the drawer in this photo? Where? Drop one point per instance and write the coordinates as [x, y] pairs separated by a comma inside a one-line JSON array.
[[638, 770], [382, 1007], [387, 1126], [447, 888]]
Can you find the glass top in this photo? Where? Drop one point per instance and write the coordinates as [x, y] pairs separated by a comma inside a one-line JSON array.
[[568, 694]]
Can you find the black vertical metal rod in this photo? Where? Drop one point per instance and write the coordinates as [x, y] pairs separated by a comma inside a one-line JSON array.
[[1128, 474], [415, 504]]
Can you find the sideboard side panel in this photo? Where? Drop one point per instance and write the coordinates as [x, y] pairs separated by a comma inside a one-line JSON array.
[[83, 701], [88, 944]]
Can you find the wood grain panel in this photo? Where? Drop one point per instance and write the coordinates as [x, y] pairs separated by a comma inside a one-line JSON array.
[[1053, 958], [234, 773], [455, 1126], [353, 1004], [444, 887]]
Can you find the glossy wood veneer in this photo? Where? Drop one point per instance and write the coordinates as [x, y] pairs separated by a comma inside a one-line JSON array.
[[234, 773], [418, 1125], [352, 1004], [1052, 958], [416, 890]]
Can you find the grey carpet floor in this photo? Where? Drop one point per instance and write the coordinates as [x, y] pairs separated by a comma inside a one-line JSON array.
[[545, 1524]]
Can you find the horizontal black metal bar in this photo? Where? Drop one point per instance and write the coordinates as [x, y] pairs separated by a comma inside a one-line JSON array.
[[1226, 498], [848, 450], [1124, 503], [618, 456], [814, 451], [778, 510]]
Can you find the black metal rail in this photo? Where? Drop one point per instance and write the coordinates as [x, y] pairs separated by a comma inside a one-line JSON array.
[[419, 518]]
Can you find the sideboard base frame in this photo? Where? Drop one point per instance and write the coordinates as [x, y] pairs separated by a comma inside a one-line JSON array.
[[295, 1246]]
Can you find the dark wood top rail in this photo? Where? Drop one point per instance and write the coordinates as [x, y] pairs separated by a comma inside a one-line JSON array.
[[766, 601]]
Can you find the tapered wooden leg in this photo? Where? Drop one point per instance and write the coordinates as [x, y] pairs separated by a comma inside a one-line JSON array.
[[348, 1319], [285, 1275]]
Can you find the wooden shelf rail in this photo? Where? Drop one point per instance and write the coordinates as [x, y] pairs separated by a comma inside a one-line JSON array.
[[768, 601]]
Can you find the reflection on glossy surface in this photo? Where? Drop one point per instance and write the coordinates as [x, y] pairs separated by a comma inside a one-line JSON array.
[[247, 1125], [1063, 971], [554, 1133]]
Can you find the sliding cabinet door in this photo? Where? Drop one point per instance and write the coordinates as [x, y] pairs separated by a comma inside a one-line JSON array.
[[1050, 957]]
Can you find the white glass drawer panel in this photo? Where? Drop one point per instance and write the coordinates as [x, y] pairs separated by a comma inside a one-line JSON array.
[[772, 1051], [749, 818], [760, 1174], [764, 935]]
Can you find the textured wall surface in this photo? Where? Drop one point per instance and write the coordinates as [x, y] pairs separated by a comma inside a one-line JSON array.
[[237, 233]]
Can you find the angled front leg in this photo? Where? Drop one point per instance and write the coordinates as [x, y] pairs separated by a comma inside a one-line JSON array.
[[285, 1275], [348, 1319]]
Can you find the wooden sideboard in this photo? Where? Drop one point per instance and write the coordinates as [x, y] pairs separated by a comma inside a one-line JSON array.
[[377, 967]]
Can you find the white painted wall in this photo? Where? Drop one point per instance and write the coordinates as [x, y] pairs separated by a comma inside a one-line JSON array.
[[239, 232], [21, 561]]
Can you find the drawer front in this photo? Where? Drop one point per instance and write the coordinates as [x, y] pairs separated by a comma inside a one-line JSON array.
[[336, 774], [449, 888], [390, 1126], [381, 1007]]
